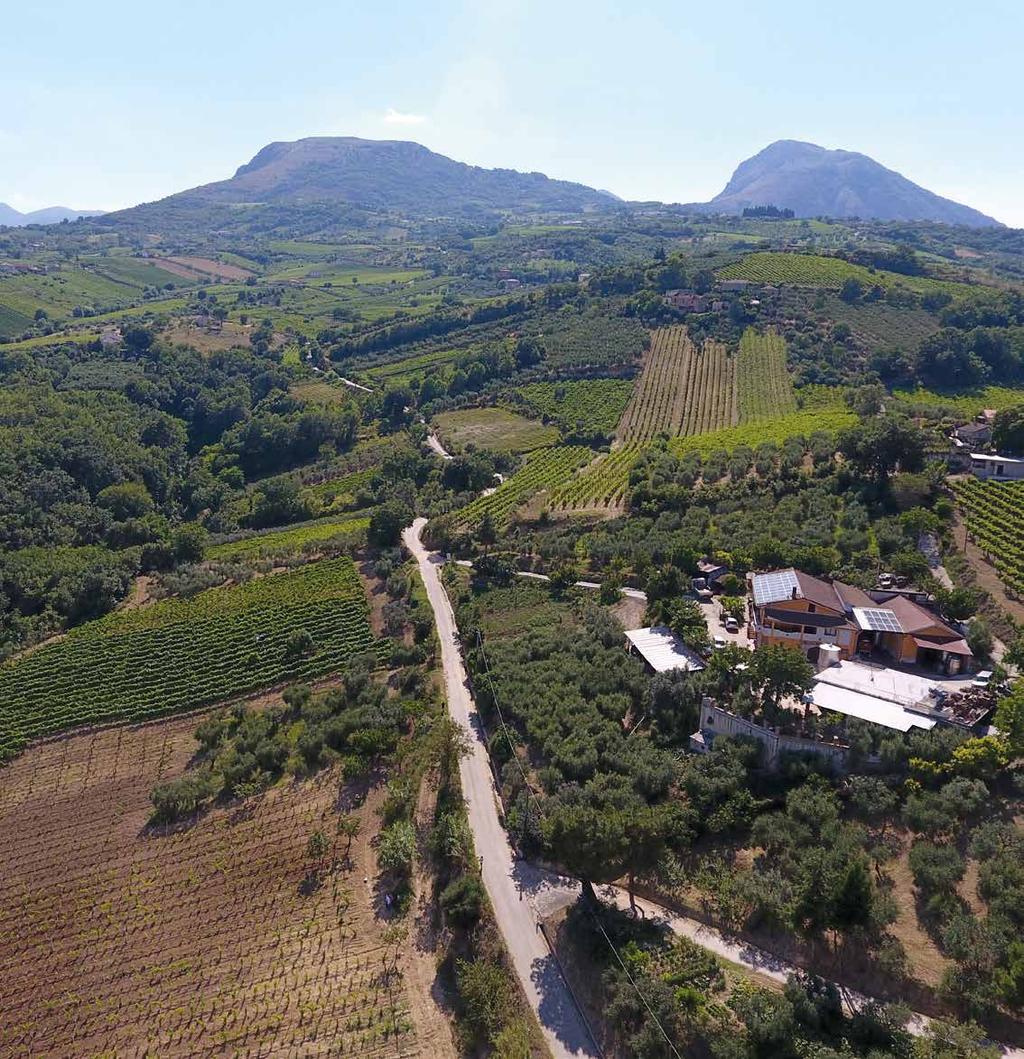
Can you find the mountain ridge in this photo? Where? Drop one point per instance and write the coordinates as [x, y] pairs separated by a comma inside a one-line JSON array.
[[347, 175], [815, 181], [12, 218]]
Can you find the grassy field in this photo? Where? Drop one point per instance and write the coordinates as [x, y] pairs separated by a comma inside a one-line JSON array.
[[179, 654], [682, 389], [495, 429], [315, 391], [590, 404]]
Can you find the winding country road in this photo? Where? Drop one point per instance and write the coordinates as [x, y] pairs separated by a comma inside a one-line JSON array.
[[511, 885]]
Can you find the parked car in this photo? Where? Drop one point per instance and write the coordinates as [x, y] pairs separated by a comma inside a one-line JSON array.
[[719, 642], [731, 624], [982, 679]]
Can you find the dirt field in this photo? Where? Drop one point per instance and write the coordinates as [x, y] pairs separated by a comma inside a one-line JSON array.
[[209, 340], [197, 942], [203, 268]]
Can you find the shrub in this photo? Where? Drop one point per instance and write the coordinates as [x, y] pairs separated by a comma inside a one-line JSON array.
[[397, 846], [462, 900]]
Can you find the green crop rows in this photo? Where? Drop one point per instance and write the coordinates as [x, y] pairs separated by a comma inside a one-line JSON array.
[[968, 404], [602, 484], [811, 270], [994, 514], [284, 542], [596, 403], [765, 389], [181, 654], [543, 470]]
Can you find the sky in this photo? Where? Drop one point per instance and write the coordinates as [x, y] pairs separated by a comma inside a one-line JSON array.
[[112, 103]]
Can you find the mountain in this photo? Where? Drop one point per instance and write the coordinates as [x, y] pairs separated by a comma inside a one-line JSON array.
[[375, 175], [815, 182], [49, 215]]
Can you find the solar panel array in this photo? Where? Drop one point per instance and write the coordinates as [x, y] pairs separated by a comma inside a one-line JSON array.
[[877, 620], [773, 587]]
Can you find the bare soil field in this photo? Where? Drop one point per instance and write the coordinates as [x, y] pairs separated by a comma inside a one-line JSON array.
[[196, 940], [208, 340], [203, 268]]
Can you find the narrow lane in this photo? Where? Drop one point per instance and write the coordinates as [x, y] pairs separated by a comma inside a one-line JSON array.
[[508, 885]]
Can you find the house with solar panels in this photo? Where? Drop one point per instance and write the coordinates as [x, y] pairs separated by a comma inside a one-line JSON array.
[[830, 621]]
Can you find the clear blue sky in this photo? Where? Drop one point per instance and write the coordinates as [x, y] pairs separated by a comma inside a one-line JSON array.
[[111, 103]]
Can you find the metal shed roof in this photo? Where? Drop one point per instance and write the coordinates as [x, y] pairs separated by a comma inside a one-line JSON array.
[[663, 650], [868, 708]]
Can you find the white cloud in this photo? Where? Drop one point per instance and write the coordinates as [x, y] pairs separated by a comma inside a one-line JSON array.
[[396, 117]]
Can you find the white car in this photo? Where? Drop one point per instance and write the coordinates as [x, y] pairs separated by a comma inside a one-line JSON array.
[[731, 624], [982, 679], [719, 642]]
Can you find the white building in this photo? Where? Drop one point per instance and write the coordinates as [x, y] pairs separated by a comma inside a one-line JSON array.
[[985, 465]]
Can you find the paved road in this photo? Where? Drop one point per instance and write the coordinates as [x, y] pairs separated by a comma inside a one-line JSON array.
[[511, 885]]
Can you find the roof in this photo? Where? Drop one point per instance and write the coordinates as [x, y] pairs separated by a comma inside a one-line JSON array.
[[662, 650], [852, 596], [877, 619], [953, 647], [916, 619], [818, 621], [995, 459], [880, 682], [778, 585], [868, 708]]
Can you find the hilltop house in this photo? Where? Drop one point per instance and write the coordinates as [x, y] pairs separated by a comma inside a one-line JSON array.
[[807, 613]]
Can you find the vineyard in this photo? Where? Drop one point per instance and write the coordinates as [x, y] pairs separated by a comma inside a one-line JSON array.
[[601, 485], [181, 654], [994, 515], [811, 270], [543, 471], [594, 340], [964, 404], [682, 390], [196, 942], [776, 430], [596, 403], [762, 380], [289, 541]]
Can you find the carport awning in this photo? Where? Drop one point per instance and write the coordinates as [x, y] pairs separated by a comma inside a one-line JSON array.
[[952, 647]]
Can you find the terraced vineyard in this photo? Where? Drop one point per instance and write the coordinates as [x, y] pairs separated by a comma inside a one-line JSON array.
[[763, 384], [597, 403], [288, 541], [965, 404], [682, 390], [180, 654], [544, 470], [994, 515]]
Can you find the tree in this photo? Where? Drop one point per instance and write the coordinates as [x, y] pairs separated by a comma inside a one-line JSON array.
[[883, 445], [851, 290], [1009, 716], [298, 645], [316, 849], [1008, 429], [957, 604], [387, 523], [592, 841], [980, 639], [486, 532], [189, 542], [780, 672], [349, 825], [397, 846]]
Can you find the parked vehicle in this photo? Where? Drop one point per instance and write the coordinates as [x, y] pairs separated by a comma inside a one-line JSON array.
[[731, 624], [719, 642]]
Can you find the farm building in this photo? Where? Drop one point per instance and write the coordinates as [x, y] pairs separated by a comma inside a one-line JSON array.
[[797, 610], [662, 650], [687, 301], [971, 436], [985, 465]]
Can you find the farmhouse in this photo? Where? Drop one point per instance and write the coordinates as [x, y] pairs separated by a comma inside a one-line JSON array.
[[686, 301], [797, 610], [971, 436], [662, 650], [985, 465]]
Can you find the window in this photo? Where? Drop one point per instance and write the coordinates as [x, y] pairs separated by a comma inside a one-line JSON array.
[[809, 629], [810, 608], [1000, 469]]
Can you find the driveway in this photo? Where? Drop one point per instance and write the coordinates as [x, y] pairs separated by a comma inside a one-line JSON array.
[[712, 611]]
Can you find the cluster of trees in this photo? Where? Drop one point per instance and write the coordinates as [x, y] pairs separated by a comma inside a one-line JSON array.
[[244, 751]]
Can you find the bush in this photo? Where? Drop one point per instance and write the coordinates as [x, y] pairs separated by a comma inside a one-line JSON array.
[[183, 796], [397, 846], [462, 899], [937, 869], [486, 996]]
